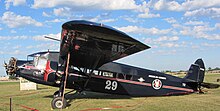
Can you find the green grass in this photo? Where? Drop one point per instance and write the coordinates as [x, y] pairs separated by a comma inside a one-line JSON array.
[[40, 100]]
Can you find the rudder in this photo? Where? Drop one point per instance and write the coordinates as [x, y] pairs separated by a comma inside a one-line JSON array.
[[196, 71]]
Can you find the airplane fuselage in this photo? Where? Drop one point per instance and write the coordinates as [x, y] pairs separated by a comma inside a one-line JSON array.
[[125, 80]]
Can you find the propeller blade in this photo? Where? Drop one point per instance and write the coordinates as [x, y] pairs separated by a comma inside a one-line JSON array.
[[6, 69], [5, 64]]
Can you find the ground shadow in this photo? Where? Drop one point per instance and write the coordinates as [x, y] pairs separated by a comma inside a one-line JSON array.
[[90, 95]]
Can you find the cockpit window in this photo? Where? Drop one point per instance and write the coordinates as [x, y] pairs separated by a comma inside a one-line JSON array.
[[40, 61]]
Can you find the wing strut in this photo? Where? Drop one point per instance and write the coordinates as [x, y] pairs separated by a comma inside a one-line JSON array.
[[66, 75]]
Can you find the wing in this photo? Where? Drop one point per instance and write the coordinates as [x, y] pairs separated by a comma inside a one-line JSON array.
[[96, 44]]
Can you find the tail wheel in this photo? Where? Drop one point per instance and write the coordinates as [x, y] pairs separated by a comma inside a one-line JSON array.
[[57, 103]]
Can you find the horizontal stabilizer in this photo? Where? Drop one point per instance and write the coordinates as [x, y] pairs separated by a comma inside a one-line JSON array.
[[210, 85]]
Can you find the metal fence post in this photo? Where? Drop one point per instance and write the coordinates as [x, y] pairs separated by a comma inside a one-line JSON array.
[[10, 104]]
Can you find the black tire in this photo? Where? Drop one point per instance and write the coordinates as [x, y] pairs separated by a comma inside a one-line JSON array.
[[57, 103], [56, 94]]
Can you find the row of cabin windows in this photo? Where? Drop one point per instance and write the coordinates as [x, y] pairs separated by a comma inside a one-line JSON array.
[[110, 74], [113, 75]]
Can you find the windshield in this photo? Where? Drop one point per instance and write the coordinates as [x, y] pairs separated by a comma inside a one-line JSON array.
[[41, 61]]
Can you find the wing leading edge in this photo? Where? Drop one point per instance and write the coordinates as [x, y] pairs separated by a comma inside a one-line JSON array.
[[96, 44]]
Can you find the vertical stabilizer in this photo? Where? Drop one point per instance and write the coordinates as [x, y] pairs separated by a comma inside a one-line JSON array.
[[196, 71]]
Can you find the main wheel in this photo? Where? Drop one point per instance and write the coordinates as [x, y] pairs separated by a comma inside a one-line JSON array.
[[57, 103]]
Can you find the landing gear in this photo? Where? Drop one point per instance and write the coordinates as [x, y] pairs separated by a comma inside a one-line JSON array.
[[199, 88], [56, 94], [58, 103]]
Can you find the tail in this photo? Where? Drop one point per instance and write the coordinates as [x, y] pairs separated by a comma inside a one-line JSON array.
[[196, 72]]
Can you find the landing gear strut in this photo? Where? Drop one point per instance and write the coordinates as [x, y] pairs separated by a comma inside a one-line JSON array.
[[199, 88], [59, 101]]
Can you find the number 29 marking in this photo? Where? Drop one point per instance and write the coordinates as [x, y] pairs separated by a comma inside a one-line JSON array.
[[111, 85]]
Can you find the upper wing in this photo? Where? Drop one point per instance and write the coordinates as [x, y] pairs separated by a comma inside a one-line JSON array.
[[96, 44]]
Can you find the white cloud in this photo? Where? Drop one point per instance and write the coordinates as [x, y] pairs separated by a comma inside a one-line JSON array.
[[165, 52], [203, 28], [210, 45], [198, 31], [42, 37], [44, 46], [16, 47], [170, 20], [210, 12], [45, 14], [14, 2], [62, 11], [13, 31], [12, 20], [195, 23], [13, 37], [107, 20], [196, 4], [165, 41], [148, 15], [67, 7], [1, 28], [102, 18], [208, 36], [184, 6], [56, 20], [16, 52], [217, 26], [167, 5], [130, 19], [147, 31], [169, 45], [162, 39], [145, 11], [87, 4]]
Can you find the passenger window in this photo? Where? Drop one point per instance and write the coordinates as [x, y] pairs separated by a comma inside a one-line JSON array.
[[128, 77], [120, 76], [96, 72]]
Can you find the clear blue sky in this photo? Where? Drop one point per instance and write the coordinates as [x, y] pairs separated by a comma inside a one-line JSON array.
[[178, 31]]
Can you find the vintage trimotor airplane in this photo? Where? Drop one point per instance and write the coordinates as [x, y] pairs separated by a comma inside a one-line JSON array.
[[85, 63]]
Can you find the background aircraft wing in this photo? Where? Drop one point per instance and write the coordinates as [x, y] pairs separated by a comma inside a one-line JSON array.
[[98, 44]]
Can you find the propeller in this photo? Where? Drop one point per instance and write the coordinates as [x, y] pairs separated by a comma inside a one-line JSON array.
[[6, 67], [11, 66]]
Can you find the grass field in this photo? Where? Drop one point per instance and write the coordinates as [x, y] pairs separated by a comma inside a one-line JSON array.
[[40, 100]]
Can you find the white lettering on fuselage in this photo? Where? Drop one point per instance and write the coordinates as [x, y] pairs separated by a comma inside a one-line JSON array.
[[157, 77], [105, 74]]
